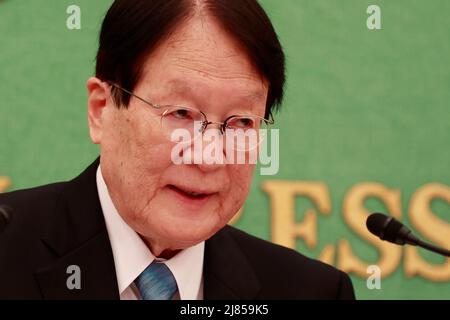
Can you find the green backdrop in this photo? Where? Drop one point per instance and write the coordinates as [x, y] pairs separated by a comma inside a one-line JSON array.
[[361, 106]]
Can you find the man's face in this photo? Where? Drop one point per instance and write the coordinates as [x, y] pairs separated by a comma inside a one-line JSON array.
[[199, 66]]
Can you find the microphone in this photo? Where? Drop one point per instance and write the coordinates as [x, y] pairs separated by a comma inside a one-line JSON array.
[[389, 229], [5, 216]]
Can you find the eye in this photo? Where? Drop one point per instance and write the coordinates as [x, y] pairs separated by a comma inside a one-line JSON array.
[[181, 114], [241, 123]]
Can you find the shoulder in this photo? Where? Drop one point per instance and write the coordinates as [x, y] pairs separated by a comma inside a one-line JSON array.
[[34, 193], [294, 273], [274, 255], [21, 249], [32, 198], [31, 209]]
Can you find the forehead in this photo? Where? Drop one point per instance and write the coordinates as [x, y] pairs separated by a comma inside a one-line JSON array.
[[201, 54]]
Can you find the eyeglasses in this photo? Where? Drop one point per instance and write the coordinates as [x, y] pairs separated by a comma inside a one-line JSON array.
[[244, 130]]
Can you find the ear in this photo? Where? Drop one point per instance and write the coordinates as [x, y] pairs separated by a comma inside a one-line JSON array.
[[98, 95]]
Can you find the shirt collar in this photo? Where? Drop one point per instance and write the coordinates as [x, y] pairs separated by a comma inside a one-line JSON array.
[[132, 256]]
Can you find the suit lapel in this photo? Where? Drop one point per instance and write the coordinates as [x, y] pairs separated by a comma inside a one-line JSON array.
[[77, 237], [227, 272], [91, 264]]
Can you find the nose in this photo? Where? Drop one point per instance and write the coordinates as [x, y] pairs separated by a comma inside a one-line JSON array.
[[220, 126], [208, 150]]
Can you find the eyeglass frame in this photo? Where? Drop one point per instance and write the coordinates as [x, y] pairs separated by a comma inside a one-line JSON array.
[[205, 123]]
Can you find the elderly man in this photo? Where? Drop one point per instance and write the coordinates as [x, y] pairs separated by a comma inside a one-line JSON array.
[[135, 225]]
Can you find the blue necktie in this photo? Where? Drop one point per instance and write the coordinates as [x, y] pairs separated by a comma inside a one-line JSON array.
[[156, 282]]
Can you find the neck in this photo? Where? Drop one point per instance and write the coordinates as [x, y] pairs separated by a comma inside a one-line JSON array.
[[160, 251], [167, 254]]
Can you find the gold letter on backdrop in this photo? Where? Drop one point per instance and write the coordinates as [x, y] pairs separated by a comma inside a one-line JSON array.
[[355, 215], [282, 195], [4, 183], [433, 228], [236, 216]]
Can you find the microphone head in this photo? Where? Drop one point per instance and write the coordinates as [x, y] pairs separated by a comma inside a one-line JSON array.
[[5, 216], [376, 223], [388, 228]]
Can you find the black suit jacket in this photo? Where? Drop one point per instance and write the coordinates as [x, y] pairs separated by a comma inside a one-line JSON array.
[[62, 224]]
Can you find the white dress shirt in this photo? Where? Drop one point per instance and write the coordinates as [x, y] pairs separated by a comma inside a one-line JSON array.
[[132, 256]]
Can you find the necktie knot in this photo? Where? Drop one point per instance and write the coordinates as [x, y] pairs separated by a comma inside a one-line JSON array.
[[156, 282]]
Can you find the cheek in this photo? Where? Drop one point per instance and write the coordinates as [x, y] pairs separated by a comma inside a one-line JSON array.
[[136, 141], [241, 178], [135, 155]]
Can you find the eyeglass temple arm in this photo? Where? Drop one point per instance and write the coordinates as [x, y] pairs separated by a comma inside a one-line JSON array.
[[134, 95]]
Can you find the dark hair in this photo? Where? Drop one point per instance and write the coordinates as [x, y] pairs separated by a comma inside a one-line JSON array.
[[132, 29]]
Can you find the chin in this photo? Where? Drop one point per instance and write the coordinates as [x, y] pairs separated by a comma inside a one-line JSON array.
[[184, 233], [191, 235], [178, 224]]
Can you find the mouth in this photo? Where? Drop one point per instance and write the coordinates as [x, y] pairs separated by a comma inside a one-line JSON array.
[[190, 194]]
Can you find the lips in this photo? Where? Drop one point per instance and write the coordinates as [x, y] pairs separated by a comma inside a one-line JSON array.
[[190, 192]]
